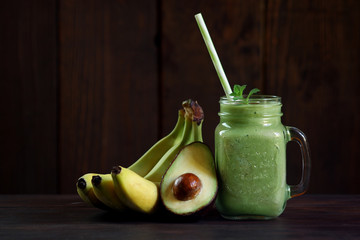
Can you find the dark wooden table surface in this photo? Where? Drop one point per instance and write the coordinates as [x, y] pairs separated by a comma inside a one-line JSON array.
[[67, 217]]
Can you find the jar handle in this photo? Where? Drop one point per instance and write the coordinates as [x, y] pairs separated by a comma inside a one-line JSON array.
[[298, 136]]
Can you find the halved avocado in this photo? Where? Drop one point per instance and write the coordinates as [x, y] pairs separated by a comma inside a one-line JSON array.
[[190, 183]]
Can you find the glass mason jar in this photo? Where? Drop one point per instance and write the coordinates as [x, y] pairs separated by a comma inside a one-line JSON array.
[[250, 156]]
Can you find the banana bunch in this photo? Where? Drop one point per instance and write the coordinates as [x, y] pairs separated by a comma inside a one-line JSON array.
[[137, 186]]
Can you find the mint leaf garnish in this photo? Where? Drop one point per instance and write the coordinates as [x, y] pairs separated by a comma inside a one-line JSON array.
[[239, 90], [253, 91]]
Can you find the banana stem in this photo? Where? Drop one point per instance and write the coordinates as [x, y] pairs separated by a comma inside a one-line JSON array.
[[197, 132]]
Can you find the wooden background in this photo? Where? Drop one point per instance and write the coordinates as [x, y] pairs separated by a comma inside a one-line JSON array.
[[88, 84]]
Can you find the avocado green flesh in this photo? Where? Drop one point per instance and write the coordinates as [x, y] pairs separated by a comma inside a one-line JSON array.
[[194, 158]]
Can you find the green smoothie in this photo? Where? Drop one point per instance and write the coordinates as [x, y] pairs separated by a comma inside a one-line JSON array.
[[250, 153]]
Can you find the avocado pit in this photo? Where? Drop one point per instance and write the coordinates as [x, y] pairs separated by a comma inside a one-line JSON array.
[[186, 187]]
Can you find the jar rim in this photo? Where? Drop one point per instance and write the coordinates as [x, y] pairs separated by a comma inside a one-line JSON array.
[[254, 99]]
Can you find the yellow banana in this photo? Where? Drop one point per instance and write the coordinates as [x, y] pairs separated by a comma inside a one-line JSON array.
[[104, 191], [142, 166], [86, 192], [135, 191]]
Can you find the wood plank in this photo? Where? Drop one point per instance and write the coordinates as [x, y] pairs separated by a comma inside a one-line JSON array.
[[187, 69], [108, 85], [28, 104], [312, 61], [60, 216]]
